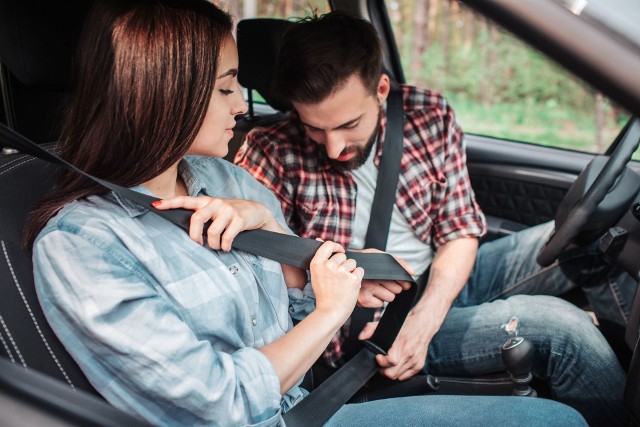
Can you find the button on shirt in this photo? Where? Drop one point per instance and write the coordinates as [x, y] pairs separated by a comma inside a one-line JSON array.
[[161, 326]]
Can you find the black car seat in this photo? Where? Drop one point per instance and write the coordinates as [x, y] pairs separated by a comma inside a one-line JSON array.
[[35, 52], [36, 45], [257, 40]]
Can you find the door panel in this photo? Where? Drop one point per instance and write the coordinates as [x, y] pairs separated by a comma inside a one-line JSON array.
[[518, 185]]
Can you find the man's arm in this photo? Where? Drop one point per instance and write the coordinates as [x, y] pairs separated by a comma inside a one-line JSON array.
[[450, 271]]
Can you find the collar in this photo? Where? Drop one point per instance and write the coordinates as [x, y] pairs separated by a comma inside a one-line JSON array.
[[194, 186], [381, 134]]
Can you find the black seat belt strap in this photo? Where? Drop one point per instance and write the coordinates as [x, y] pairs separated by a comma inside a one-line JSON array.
[[383, 202], [384, 198], [324, 401]]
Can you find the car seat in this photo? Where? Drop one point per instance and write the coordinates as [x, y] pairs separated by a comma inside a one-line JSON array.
[[257, 40], [41, 63], [35, 52]]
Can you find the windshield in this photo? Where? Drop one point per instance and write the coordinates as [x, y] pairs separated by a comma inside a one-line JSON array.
[[618, 16]]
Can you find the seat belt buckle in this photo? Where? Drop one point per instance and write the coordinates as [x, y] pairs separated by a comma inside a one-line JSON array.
[[373, 347]]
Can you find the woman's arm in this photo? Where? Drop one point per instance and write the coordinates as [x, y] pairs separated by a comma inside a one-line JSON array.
[[131, 336], [335, 279], [336, 283]]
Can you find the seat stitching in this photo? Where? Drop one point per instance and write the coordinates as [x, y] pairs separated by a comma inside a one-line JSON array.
[[15, 166], [6, 347], [17, 159], [35, 322], [6, 330], [23, 159]]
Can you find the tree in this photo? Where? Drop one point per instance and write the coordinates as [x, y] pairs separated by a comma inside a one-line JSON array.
[[420, 39]]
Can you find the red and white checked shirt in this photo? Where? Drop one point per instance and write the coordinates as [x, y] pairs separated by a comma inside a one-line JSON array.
[[434, 193]]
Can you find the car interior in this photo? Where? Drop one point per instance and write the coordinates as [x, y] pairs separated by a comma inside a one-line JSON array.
[[41, 380]]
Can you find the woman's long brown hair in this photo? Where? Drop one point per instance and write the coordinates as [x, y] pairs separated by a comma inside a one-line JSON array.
[[143, 78]]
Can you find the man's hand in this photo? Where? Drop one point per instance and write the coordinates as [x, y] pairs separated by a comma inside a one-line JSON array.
[[374, 293], [408, 354], [449, 272]]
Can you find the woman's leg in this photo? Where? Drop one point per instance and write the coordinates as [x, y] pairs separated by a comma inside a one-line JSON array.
[[457, 411]]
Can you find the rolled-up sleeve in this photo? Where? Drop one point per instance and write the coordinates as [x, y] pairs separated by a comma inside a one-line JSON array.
[[135, 345], [301, 302], [459, 215]]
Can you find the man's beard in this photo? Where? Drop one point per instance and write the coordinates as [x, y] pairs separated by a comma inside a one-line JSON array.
[[362, 153]]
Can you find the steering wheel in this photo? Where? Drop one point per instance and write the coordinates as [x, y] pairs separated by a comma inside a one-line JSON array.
[[567, 229]]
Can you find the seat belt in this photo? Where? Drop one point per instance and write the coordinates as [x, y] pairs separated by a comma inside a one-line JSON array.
[[323, 402], [384, 200], [283, 248]]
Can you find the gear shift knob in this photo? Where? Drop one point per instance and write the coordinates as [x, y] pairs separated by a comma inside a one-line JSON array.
[[517, 356]]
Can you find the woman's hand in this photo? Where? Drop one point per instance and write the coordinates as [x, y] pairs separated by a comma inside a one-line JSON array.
[[336, 281], [229, 217]]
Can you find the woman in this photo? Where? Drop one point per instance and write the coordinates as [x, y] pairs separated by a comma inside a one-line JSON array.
[[164, 326]]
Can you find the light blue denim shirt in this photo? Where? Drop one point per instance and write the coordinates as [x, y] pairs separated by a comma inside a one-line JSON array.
[[161, 326]]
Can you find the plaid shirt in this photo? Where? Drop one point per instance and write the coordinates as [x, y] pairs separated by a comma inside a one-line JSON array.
[[434, 193]]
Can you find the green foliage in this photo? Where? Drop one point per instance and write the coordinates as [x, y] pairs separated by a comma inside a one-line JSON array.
[[544, 125], [503, 88]]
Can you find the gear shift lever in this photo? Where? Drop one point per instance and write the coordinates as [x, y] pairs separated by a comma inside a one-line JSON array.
[[517, 356]]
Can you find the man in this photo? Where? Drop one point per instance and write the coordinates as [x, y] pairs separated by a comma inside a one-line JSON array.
[[321, 162]]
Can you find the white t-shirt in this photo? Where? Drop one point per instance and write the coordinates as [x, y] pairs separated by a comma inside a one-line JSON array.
[[402, 242]]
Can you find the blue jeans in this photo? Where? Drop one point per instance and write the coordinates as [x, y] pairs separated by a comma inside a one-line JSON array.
[[457, 411], [572, 355]]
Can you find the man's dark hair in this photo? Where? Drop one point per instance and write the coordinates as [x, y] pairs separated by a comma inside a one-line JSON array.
[[319, 54]]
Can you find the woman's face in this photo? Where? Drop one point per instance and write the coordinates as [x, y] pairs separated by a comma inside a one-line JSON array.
[[225, 104]]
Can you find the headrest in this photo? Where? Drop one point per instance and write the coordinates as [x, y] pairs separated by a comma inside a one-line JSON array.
[[259, 42], [37, 40]]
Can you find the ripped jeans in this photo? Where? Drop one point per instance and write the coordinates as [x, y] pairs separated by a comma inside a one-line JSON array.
[[506, 295]]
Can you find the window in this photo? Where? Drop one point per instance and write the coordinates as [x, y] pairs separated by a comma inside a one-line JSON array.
[[241, 9], [498, 86]]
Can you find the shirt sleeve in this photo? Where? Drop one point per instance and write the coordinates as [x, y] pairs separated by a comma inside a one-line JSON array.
[[301, 301], [134, 345], [258, 155], [460, 216]]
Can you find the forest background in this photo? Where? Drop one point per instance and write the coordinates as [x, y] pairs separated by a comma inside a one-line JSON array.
[[497, 85]]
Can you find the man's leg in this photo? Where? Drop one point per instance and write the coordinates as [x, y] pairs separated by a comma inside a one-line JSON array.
[[508, 266], [432, 410], [571, 354]]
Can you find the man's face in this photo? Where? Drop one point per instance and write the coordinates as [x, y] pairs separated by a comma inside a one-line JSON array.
[[347, 122]]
